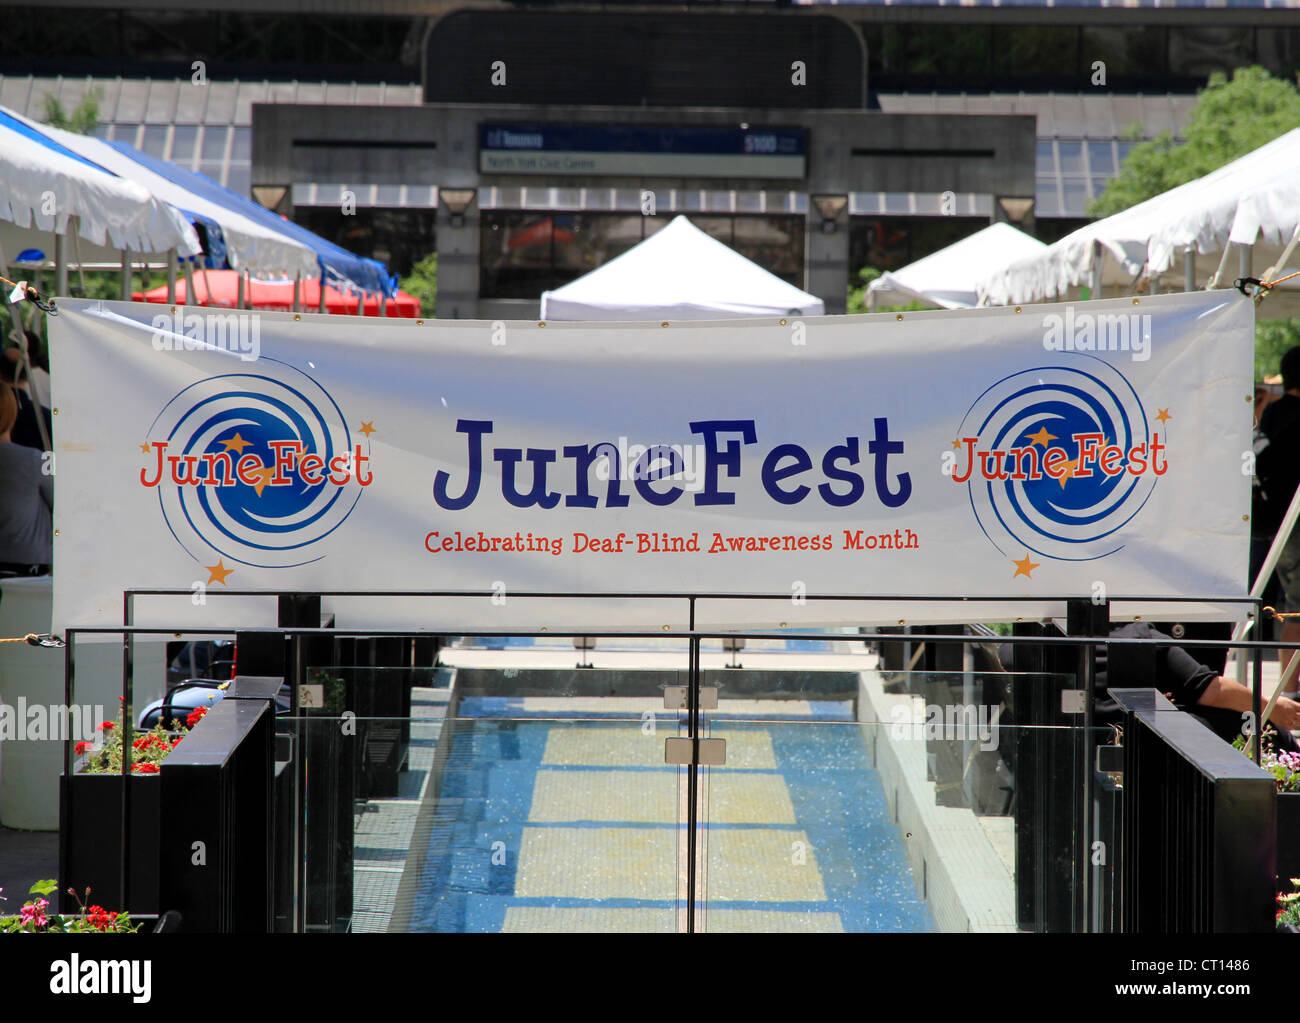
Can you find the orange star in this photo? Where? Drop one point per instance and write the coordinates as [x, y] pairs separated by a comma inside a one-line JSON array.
[[1068, 474], [368, 428], [1024, 567], [265, 475], [217, 573], [1041, 437], [146, 448], [1164, 416], [956, 445], [236, 444]]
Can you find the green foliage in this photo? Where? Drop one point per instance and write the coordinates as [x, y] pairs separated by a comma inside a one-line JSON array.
[[1230, 119], [83, 120], [422, 282], [1272, 339], [33, 919], [857, 296]]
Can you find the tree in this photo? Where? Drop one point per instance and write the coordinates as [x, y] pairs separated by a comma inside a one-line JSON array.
[[1230, 119], [422, 282], [83, 120]]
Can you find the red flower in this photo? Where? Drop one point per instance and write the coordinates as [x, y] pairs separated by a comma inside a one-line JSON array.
[[81, 747], [146, 768], [195, 716], [108, 726]]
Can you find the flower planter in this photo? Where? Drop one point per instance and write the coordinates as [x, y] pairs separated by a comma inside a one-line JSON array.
[[90, 839], [1288, 835]]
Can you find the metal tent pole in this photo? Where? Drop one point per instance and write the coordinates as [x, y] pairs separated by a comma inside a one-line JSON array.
[[61, 263], [171, 276], [125, 290]]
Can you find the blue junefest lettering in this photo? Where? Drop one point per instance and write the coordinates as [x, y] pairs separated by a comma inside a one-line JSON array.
[[721, 442]]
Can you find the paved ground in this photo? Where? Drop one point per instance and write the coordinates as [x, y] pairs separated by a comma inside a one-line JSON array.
[[25, 858]]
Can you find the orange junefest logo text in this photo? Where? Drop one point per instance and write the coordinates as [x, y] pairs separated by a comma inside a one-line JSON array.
[[1027, 463], [289, 467]]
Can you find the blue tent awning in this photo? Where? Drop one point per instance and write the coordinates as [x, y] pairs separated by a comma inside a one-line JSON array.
[[339, 268]]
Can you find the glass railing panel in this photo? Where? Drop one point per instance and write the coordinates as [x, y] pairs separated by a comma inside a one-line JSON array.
[[907, 801], [526, 799]]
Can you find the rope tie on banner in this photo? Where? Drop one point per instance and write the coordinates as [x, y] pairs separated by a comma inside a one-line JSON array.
[[1241, 283], [28, 292], [32, 639], [1283, 616]]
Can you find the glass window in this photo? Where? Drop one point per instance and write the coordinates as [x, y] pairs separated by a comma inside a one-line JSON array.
[[214, 143], [242, 144], [774, 243], [1099, 183], [240, 179], [1046, 201], [1101, 158], [1074, 197], [214, 169], [155, 140], [126, 133], [1035, 50], [1124, 149], [1196, 50], [715, 227], [881, 242], [515, 254], [1046, 157], [185, 138], [1071, 156]]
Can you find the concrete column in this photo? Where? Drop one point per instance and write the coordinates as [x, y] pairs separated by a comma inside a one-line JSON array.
[[826, 257], [458, 265]]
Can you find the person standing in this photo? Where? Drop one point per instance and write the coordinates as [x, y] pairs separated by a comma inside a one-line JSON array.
[[1278, 467], [26, 499]]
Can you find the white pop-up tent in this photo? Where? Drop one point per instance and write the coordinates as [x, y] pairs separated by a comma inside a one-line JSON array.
[[45, 189], [679, 273], [248, 245], [948, 278], [1235, 221]]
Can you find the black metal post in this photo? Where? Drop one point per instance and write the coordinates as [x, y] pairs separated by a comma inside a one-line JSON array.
[[1087, 618]]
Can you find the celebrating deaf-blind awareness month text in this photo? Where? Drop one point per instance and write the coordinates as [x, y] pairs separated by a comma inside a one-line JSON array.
[[651, 481]]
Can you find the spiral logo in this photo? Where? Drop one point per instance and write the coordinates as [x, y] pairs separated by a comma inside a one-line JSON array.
[[255, 468], [1057, 460]]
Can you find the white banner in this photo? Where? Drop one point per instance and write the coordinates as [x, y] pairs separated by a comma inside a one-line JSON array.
[[1095, 449]]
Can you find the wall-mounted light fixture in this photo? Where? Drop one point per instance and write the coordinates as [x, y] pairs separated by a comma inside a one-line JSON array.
[[271, 196], [457, 201], [830, 207], [1015, 209]]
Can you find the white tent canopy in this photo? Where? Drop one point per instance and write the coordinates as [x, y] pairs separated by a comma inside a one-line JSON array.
[[41, 189], [949, 278], [679, 273], [1252, 201], [249, 245]]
